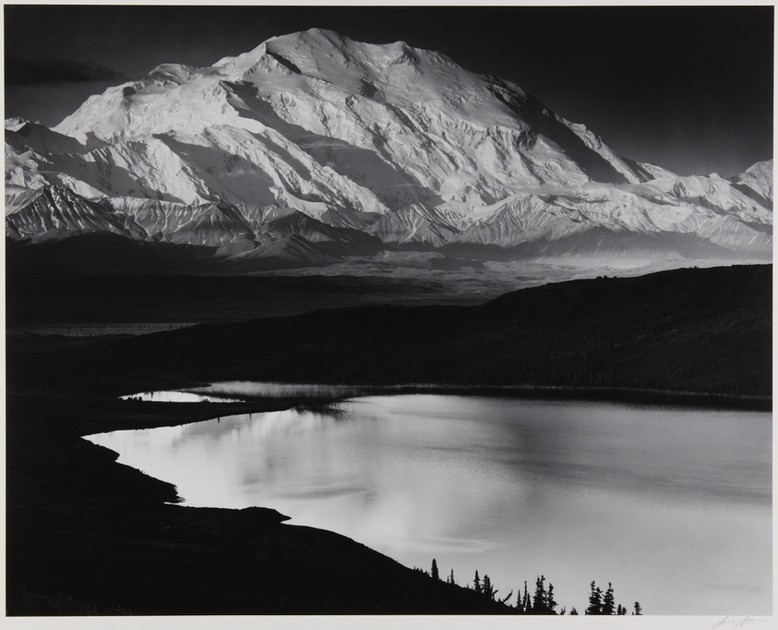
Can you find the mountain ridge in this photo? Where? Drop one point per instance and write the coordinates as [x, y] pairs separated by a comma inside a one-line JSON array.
[[398, 143]]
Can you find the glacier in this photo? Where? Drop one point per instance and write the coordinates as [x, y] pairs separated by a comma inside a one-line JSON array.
[[317, 149]]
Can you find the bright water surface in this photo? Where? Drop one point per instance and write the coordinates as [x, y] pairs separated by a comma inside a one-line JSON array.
[[671, 505], [241, 391]]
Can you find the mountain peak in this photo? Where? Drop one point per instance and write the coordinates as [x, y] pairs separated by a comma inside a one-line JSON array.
[[174, 72], [759, 178], [313, 35], [15, 124], [388, 140], [313, 40]]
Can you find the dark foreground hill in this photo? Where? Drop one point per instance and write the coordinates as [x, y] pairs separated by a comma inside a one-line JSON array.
[[691, 330]]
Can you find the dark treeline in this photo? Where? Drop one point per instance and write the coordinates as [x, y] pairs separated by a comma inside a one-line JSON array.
[[541, 601]]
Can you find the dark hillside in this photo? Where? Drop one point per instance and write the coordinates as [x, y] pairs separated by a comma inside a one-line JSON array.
[[696, 330]]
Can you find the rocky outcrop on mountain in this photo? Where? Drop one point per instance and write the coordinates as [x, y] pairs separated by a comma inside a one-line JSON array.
[[317, 143]]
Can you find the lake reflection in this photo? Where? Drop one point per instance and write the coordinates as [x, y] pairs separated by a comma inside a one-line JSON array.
[[255, 389], [672, 506], [176, 396], [241, 391]]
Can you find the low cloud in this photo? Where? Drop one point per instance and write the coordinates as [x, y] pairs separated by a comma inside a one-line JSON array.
[[24, 71]]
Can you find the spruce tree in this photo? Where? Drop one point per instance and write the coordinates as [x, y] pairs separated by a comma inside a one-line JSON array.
[[451, 577], [435, 574], [550, 603], [638, 609], [595, 601], [477, 582], [527, 604], [573, 611], [487, 588], [608, 601], [539, 603]]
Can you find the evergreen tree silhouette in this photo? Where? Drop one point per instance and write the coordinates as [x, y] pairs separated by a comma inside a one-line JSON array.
[[608, 601], [487, 588], [542, 602], [550, 602], [595, 601], [539, 604]]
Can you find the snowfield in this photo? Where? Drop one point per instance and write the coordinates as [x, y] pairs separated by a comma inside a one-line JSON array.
[[312, 138]]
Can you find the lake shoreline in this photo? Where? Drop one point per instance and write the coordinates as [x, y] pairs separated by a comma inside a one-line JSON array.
[[399, 456], [119, 549], [195, 560], [149, 501]]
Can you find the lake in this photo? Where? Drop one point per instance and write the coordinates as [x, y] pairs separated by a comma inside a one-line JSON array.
[[671, 505]]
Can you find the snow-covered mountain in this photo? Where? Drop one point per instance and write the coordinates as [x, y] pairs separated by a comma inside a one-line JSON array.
[[313, 146]]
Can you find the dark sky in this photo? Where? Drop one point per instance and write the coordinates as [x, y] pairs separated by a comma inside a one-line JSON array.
[[687, 88]]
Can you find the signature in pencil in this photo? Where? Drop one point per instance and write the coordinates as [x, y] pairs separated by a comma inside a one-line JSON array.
[[736, 622]]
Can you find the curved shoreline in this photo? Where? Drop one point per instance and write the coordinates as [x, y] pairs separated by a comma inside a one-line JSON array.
[[120, 547], [214, 409], [116, 546]]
